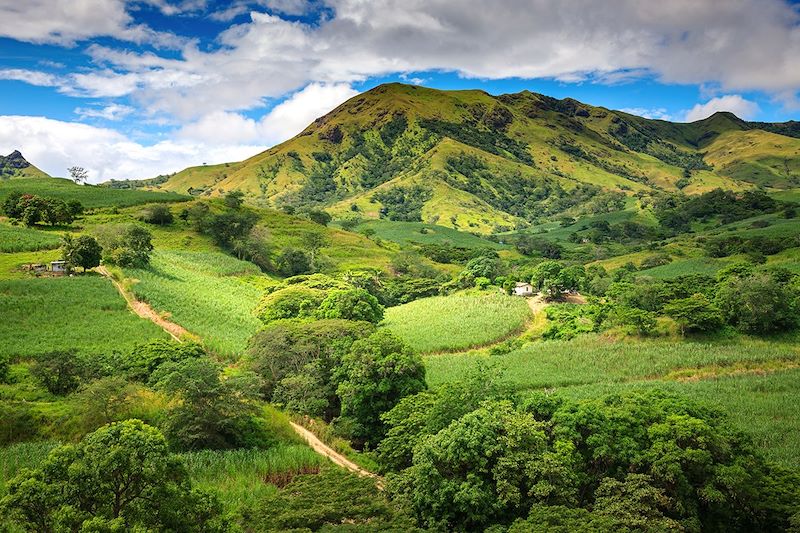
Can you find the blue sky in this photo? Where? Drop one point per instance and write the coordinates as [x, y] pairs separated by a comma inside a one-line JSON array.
[[131, 89]]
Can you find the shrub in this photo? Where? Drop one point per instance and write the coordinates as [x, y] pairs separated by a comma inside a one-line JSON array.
[[145, 358], [352, 304], [758, 303], [157, 214], [290, 302], [292, 262], [126, 245], [60, 372], [694, 314]]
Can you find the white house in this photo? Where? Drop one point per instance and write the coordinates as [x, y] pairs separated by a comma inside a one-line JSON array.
[[523, 289], [58, 266]]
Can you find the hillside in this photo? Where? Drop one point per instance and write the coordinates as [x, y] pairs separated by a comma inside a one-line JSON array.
[[470, 160], [14, 165]]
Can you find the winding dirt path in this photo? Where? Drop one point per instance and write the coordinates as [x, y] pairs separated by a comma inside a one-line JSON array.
[[178, 333], [144, 310]]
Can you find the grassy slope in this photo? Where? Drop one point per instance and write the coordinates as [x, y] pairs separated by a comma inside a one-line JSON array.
[[22, 239], [457, 322], [84, 312], [91, 196]]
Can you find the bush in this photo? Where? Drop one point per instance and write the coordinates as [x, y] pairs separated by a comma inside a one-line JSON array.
[[60, 372], [290, 302], [158, 214], [5, 364], [292, 262], [145, 358], [694, 314], [352, 304], [126, 245], [758, 303]]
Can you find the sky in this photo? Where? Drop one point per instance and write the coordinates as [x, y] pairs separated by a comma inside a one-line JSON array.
[[136, 88]]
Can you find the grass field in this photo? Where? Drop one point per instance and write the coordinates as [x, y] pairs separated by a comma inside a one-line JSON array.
[[22, 239], [90, 196], [420, 233], [82, 312], [205, 293], [457, 322]]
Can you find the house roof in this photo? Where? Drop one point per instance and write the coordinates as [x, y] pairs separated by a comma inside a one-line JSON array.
[[523, 284]]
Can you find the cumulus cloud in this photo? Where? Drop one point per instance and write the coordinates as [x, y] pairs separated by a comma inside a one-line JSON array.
[[733, 103], [738, 46], [65, 22], [42, 79], [55, 145]]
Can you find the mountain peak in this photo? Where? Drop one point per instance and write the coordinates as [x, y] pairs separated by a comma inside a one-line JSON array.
[[14, 160], [14, 165]]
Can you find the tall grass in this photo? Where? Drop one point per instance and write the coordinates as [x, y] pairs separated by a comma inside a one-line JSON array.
[[22, 239], [81, 312], [457, 322], [596, 359], [203, 292], [23, 455], [90, 196], [243, 477]]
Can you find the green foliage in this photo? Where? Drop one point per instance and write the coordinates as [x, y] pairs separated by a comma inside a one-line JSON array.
[[32, 209], [126, 245], [638, 461], [676, 212], [333, 500], [694, 314], [375, 374], [214, 412], [484, 267], [294, 301], [759, 303], [84, 252], [293, 262], [351, 304], [60, 372], [233, 199], [120, 476], [296, 361], [494, 142], [403, 203], [145, 358], [318, 216], [159, 214]]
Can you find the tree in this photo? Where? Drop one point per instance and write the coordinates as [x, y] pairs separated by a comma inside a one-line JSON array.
[[59, 371], [351, 304], [290, 302], [318, 216], [119, 478], [292, 262], [84, 252], [78, 174], [144, 359], [127, 245], [546, 270], [375, 374], [694, 314], [234, 199], [484, 267], [758, 303], [157, 214], [212, 412]]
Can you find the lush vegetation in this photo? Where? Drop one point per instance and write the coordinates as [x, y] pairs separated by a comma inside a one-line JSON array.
[[22, 239], [449, 323]]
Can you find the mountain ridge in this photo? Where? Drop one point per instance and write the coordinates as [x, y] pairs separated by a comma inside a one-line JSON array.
[[14, 165], [494, 161]]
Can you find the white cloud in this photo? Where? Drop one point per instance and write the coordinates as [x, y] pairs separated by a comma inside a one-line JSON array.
[[54, 145], [660, 113], [108, 112], [65, 22], [734, 103], [284, 121], [32, 77]]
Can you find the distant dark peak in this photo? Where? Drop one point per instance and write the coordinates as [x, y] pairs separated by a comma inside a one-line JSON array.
[[14, 160]]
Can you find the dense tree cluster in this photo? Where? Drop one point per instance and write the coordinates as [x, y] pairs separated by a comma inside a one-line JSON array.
[[403, 203], [126, 245], [31, 209]]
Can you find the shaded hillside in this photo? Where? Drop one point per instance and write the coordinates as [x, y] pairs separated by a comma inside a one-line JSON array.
[[470, 160], [14, 165]]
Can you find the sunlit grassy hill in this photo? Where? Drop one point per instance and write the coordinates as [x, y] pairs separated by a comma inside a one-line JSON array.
[[484, 161]]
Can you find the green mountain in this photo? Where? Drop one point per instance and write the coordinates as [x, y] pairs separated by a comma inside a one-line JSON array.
[[470, 160], [14, 165]]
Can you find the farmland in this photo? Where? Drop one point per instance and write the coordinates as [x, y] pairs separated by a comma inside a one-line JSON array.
[[22, 239], [457, 322], [85, 313], [205, 292], [90, 196]]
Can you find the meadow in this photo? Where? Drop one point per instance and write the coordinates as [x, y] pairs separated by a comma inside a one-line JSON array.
[[91, 196], [593, 358], [421, 233], [457, 322], [205, 292], [22, 239], [82, 312]]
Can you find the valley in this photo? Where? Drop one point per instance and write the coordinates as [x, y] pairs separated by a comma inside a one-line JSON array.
[[354, 287]]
